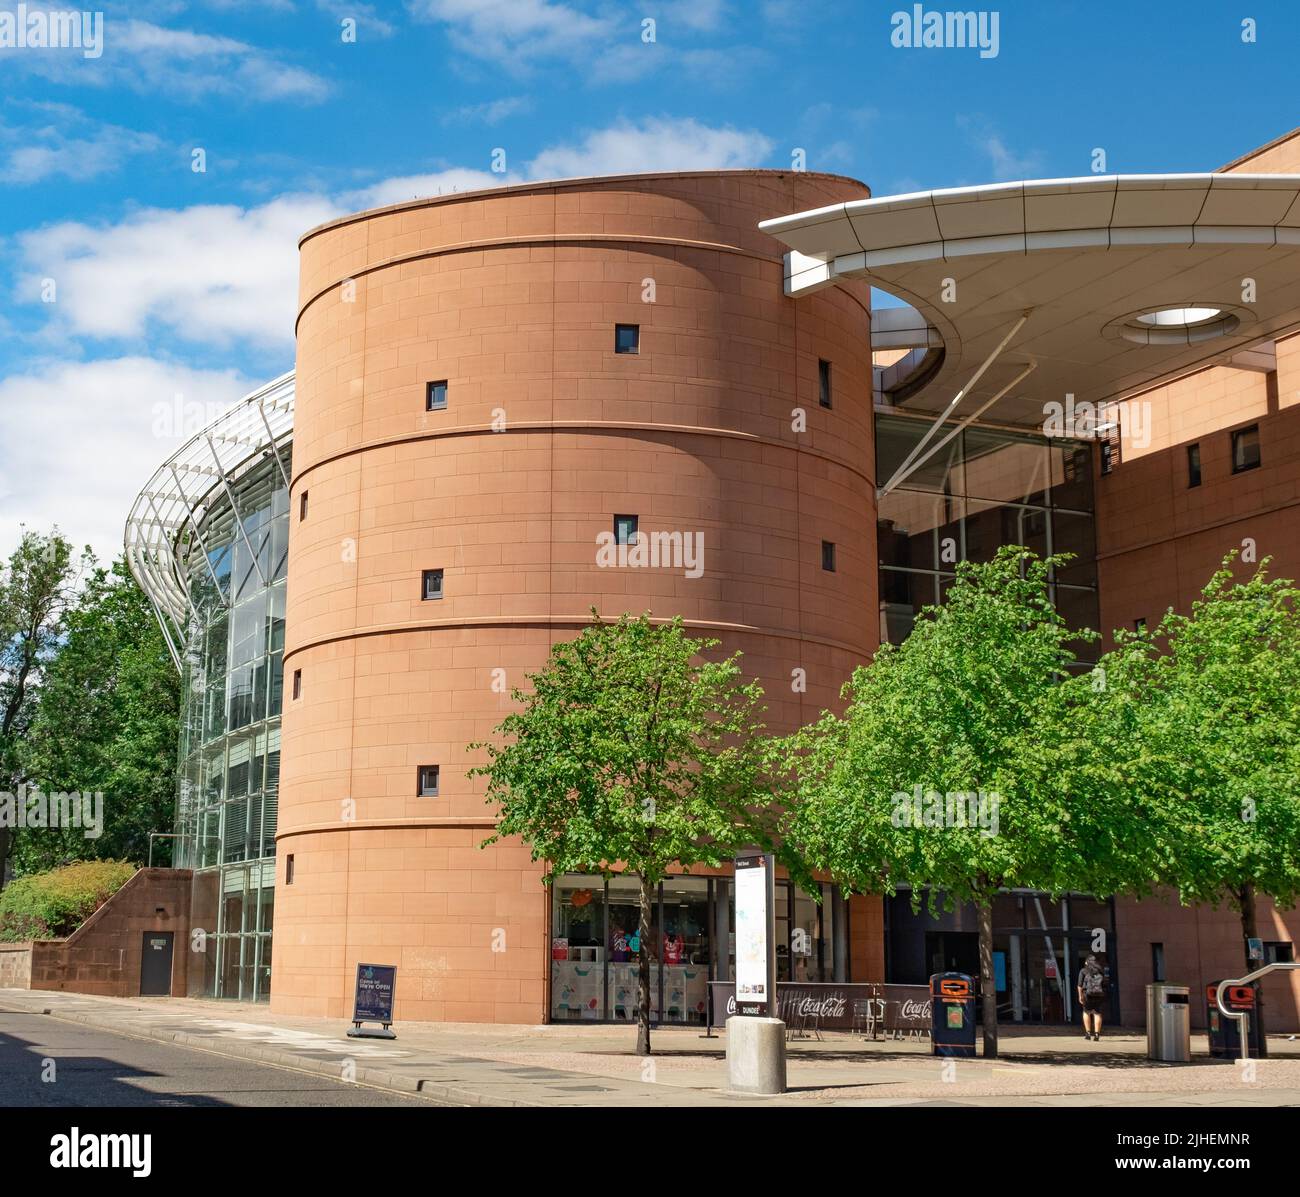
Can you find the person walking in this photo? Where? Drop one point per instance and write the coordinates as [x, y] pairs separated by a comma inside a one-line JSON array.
[[1094, 987]]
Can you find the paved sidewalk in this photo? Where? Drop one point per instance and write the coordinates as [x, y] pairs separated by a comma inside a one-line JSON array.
[[474, 1064]]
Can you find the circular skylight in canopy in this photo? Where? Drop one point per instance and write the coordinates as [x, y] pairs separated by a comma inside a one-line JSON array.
[[1178, 317]]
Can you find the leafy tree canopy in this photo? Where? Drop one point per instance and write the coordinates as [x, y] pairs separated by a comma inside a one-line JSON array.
[[632, 748]]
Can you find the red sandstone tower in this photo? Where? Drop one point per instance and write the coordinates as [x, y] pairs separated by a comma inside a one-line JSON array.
[[462, 406]]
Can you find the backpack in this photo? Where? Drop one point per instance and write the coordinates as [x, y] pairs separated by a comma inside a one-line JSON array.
[[1094, 983]]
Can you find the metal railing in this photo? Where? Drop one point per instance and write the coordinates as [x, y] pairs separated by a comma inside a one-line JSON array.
[[1243, 1016]]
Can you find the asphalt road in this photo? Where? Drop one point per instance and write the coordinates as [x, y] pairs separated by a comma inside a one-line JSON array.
[[91, 1067]]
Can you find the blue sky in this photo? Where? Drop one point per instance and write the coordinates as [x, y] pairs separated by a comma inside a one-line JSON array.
[[170, 283]]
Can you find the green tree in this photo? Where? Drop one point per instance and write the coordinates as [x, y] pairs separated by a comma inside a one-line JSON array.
[[939, 774], [1213, 698], [37, 586], [633, 749], [106, 722]]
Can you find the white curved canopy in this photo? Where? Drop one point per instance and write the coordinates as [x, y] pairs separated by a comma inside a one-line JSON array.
[[1086, 258]]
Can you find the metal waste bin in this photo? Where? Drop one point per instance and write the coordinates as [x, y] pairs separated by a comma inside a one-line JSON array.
[[1169, 1023]]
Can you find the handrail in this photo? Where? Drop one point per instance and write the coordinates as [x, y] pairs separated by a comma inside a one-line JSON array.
[[1243, 1016]]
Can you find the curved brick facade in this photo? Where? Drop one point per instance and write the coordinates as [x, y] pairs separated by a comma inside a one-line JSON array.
[[512, 297]]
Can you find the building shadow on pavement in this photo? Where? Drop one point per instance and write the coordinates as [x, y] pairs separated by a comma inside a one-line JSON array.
[[77, 1081]]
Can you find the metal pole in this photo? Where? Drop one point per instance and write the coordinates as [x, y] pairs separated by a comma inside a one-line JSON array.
[[161, 835], [189, 515], [975, 415], [271, 436], [904, 469], [239, 521], [1242, 1016]]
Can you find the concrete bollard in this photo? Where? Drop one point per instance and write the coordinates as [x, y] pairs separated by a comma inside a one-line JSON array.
[[755, 1054]]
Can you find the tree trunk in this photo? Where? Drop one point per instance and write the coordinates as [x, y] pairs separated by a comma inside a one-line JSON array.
[[988, 985], [1249, 926], [643, 971]]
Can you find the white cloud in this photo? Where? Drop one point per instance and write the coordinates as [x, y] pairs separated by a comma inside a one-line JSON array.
[[699, 16], [657, 143], [406, 187], [220, 274], [211, 274], [36, 152], [490, 113], [76, 438], [81, 439], [369, 22], [515, 33], [606, 44], [1005, 164], [178, 63]]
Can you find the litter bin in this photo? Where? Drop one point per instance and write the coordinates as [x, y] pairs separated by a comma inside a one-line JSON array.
[[1225, 1033], [1169, 1023], [952, 1014]]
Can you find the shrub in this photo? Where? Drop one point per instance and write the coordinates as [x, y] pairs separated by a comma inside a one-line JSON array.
[[54, 904]]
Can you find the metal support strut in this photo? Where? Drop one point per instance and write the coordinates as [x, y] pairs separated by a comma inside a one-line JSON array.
[[910, 463]]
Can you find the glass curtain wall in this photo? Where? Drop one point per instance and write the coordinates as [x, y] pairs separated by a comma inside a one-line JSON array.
[[985, 489], [230, 727]]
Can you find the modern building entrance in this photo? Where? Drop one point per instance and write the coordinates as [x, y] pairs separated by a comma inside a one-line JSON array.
[[1039, 945]]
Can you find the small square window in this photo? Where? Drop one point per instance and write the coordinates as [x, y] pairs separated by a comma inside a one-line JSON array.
[[297, 683], [428, 781], [436, 397], [432, 584], [288, 869], [625, 528], [1193, 465], [824, 383], [1140, 624], [1245, 449], [828, 556], [627, 338], [302, 506]]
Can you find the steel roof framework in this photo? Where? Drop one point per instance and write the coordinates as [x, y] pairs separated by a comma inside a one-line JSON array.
[[167, 517]]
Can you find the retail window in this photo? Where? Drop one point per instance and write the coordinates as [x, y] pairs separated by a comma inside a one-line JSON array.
[[427, 785], [1193, 465], [431, 585], [435, 398], [1245, 449], [627, 338], [824, 383]]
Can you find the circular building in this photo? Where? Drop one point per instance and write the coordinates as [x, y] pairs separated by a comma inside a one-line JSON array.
[[495, 390]]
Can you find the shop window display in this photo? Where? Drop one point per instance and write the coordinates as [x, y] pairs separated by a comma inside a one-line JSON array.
[[596, 945]]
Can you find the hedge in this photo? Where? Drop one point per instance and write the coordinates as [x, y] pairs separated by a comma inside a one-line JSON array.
[[54, 904]]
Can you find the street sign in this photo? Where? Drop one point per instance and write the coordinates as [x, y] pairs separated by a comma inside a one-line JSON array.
[[755, 934]]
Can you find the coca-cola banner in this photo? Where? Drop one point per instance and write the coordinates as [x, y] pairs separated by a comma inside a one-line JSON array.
[[906, 1007]]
